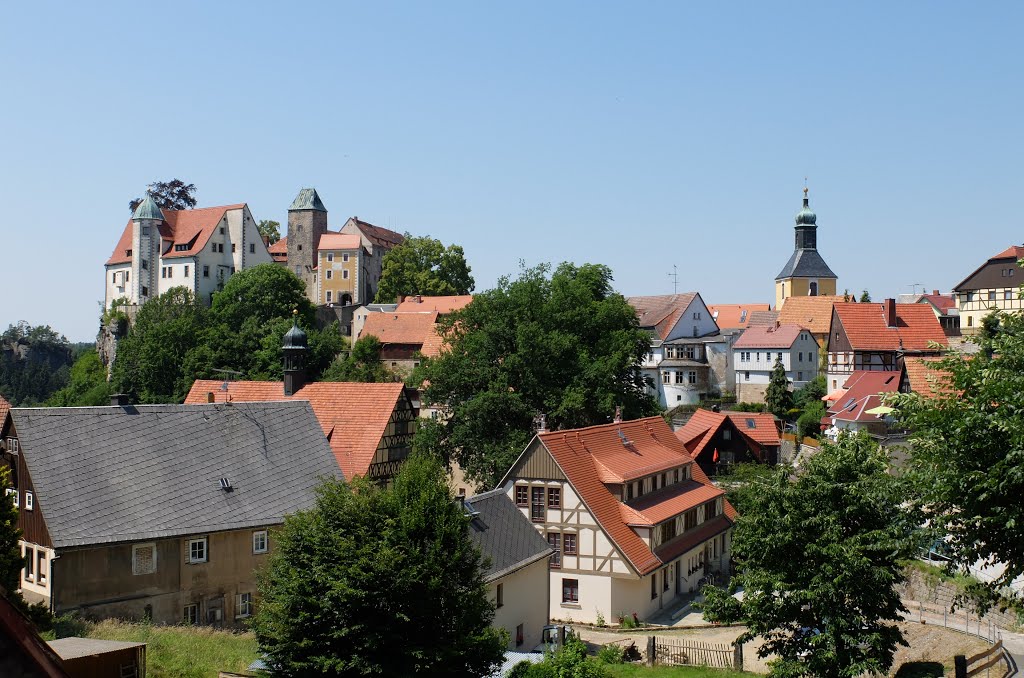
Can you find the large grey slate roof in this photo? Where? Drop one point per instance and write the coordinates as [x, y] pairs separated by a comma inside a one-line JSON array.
[[114, 474], [504, 535], [806, 264]]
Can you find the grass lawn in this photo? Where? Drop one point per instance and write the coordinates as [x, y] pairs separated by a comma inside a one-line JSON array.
[[642, 671], [191, 651]]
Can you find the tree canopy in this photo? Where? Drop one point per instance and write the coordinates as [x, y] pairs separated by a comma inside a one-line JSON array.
[[423, 265], [777, 398], [169, 195], [818, 559], [11, 560], [362, 364], [175, 339], [270, 230], [88, 385], [865, 297], [562, 344], [968, 451], [34, 363], [375, 581]]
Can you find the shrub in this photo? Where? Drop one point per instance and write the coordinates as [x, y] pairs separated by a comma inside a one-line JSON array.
[[610, 654], [600, 619]]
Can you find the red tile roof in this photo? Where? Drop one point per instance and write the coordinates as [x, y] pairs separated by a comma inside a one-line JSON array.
[[814, 313], [698, 432], [865, 326], [760, 318], [400, 328], [449, 304], [585, 454], [943, 302], [339, 241], [432, 344], [5, 407], [925, 377], [1015, 252], [735, 316], [354, 417], [782, 336], [661, 313], [764, 429], [179, 227], [279, 250], [380, 237], [863, 389]]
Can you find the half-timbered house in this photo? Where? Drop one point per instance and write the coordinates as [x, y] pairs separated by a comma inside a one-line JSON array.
[[717, 440], [634, 523]]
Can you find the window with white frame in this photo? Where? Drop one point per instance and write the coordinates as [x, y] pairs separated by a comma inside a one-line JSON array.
[[344, 275], [191, 614], [679, 377], [40, 566], [330, 256], [243, 605], [143, 558], [259, 541], [329, 296], [29, 501], [197, 551], [344, 258], [13, 494], [30, 559], [691, 377]]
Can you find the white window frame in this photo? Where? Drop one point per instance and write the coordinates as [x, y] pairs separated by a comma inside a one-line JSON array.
[[29, 501], [330, 256], [11, 492], [344, 274], [329, 295], [260, 535], [187, 616], [135, 549], [243, 605], [206, 551], [344, 258], [330, 275]]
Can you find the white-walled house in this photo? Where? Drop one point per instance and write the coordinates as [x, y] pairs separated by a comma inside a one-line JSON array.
[[634, 522], [677, 365], [517, 569], [198, 249], [757, 349]]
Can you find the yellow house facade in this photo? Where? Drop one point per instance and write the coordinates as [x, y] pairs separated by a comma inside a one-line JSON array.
[[994, 286], [339, 262]]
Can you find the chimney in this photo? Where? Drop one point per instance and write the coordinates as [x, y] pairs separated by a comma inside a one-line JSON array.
[[540, 423], [935, 293], [618, 414], [209, 397], [120, 400], [890, 312], [401, 298], [419, 298]]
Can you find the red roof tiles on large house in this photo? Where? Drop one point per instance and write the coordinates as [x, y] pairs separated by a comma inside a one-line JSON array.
[[443, 304], [592, 456], [758, 428], [781, 336], [866, 328], [400, 328], [735, 316], [864, 391], [814, 313], [1015, 252], [339, 241], [179, 227], [926, 378], [354, 417]]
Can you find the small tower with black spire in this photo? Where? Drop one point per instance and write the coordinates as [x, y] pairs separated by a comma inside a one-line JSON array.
[[806, 273], [294, 347]]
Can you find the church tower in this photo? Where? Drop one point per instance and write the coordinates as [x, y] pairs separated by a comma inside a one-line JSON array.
[[146, 220], [307, 221], [294, 348], [805, 274]]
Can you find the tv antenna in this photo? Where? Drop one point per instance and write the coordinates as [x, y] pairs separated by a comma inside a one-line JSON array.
[[228, 376], [914, 286], [675, 279]]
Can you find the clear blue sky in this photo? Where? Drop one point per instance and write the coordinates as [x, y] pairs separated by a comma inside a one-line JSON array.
[[639, 135]]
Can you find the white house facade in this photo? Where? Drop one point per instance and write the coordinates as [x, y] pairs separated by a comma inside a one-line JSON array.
[[757, 350]]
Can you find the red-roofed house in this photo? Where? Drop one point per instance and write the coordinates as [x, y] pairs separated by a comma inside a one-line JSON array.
[[757, 349], [735, 316], [993, 285], [683, 334], [945, 308], [443, 305], [198, 249], [875, 337], [857, 408], [369, 426], [718, 439], [402, 336], [634, 522]]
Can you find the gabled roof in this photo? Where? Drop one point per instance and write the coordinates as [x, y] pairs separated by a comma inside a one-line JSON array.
[[379, 237], [503, 534], [353, 416], [431, 347], [763, 318], [587, 455], [1013, 253], [117, 474], [279, 250], [735, 316], [400, 328], [783, 336], [942, 302], [339, 241], [179, 227], [866, 329], [419, 303], [814, 313], [307, 199], [805, 263], [659, 314], [757, 428], [925, 377], [863, 393]]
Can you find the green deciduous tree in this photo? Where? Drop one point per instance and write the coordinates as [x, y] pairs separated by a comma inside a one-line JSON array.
[[811, 392], [865, 297], [361, 364], [777, 398], [88, 384], [818, 559], [383, 582], [169, 195], [563, 344], [968, 451], [808, 424], [423, 265], [11, 560], [269, 229]]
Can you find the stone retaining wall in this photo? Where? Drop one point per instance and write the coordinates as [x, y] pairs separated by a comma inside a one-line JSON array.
[[942, 593]]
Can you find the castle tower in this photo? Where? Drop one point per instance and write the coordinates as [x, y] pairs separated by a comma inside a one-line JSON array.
[[806, 273], [294, 348], [307, 221], [146, 222]]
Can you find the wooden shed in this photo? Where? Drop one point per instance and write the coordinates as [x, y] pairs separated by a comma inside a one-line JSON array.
[[89, 657]]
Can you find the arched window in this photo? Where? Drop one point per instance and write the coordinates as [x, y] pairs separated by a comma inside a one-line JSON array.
[[813, 289]]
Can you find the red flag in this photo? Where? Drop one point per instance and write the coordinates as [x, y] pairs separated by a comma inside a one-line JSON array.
[[714, 457]]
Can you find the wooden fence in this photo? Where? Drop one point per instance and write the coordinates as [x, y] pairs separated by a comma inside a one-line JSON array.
[[679, 652], [985, 661]]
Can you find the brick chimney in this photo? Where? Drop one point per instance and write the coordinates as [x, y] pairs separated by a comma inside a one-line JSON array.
[[890, 312], [618, 414], [935, 293]]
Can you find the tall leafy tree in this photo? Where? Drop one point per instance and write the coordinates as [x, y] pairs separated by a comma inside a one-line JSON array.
[[423, 265], [818, 559], [562, 344], [777, 398], [11, 560], [88, 384], [375, 581], [362, 364], [968, 451], [169, 195], [271, 230]]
